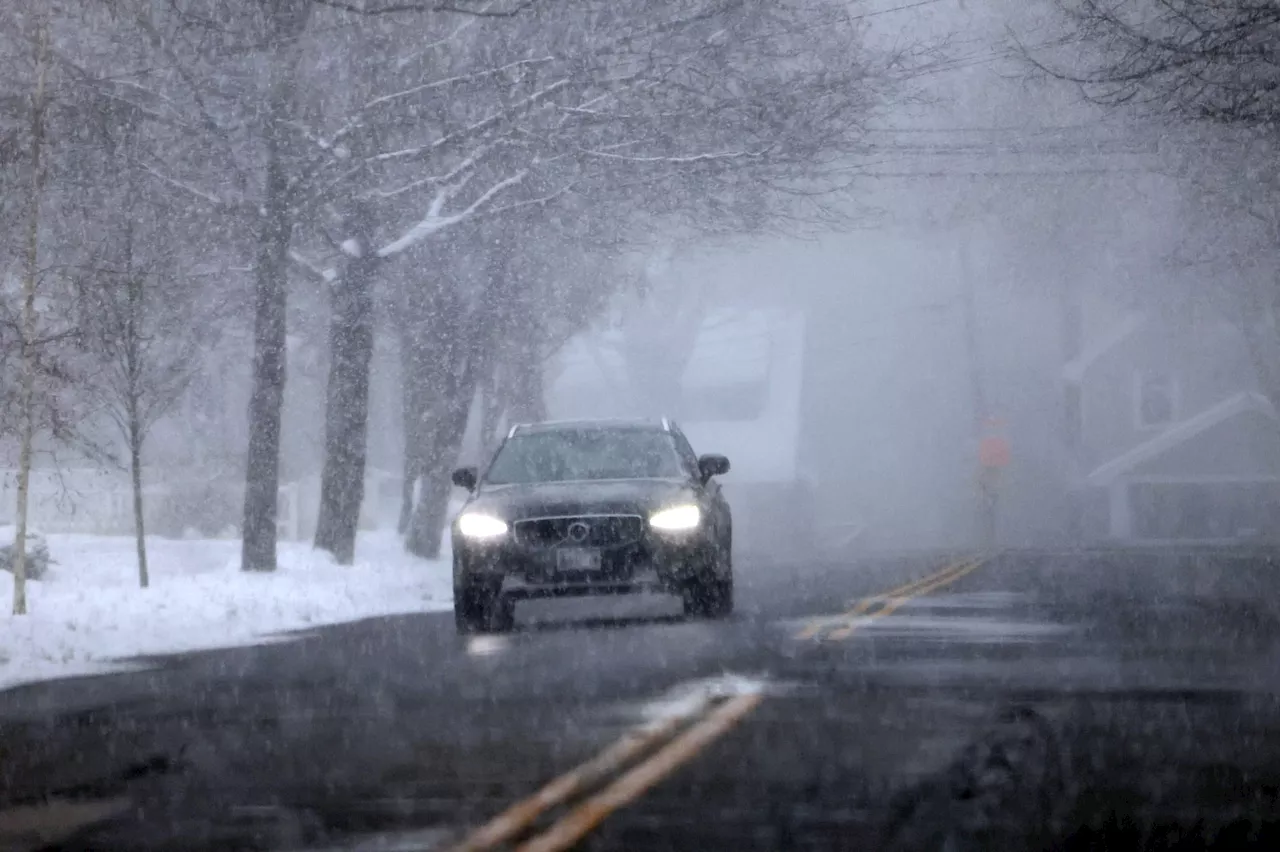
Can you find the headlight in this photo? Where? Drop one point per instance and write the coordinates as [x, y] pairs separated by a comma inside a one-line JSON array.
[[475, 525], [676, 518]]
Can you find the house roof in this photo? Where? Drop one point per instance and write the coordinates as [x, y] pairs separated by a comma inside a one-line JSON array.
[[1180, 433], [1073, 371]]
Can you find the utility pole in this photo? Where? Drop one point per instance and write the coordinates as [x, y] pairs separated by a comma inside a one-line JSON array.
[[1071, 316], [986, 518]]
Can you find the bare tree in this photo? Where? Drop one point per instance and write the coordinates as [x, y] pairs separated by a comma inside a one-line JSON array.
[[1208, 73], [43, 168], [732, 112], [143, 324], [660, 332], [1213, 60], [222, 94], [718, 112], [1230, 185], [285, 22], [41, 60]]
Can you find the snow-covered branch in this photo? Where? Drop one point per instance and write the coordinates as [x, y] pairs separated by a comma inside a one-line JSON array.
[[479, 127], [359, 119], [435, 220], [531, 202], [675, 161], [457, 78], [326, 274], [190, 189], [485, 10], [458, 172]]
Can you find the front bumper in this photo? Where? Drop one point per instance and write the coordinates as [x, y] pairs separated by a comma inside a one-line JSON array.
[[655, 563]]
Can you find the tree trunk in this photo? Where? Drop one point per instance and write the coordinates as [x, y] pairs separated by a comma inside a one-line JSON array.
[[133, 356], [452, 350], [139, 529], [407, 487], [451, 385], [426, 525], [526, 397], [493, 405], [347, 400], [133, 367], [262, 463], [411, 412], [412, 407], [657, 344], [30, 279]]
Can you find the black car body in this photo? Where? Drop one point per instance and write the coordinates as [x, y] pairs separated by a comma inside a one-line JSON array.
[[583, 508]]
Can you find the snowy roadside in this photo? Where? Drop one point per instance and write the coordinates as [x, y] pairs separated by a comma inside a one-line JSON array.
[[88, 615]]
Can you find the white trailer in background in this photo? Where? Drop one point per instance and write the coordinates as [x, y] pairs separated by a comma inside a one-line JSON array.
[[741, 395]]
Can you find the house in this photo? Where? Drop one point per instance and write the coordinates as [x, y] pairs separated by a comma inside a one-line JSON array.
[[1176, 441]]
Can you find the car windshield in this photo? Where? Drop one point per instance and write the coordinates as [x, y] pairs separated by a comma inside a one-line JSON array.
[[567, 455]]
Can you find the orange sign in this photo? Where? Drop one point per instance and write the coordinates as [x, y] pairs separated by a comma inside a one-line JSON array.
[[993, 451]]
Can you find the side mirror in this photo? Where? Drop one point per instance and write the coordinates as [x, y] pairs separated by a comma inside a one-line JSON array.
[[712, 465], [465, 477]]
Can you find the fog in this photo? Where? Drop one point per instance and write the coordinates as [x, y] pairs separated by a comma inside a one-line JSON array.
[[979, 235], [991, 187], [681, 424]]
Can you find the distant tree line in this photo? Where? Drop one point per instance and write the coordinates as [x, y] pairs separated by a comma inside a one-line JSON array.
[[459, 179], [1204, 76]]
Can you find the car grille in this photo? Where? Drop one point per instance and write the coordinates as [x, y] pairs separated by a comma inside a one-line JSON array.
[[586, 531]]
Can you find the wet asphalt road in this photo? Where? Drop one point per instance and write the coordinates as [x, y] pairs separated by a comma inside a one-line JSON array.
[[1028, 701]]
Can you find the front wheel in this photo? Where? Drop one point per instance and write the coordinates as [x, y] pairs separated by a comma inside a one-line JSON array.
[[481, 608]]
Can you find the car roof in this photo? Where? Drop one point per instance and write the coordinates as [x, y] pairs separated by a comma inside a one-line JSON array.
[[655, 424]]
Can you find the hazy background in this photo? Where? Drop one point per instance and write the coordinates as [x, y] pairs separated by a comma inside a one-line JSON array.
[[846, 371]]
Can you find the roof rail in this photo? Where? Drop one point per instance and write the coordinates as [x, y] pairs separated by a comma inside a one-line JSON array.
[[666, 425], [514, 427]]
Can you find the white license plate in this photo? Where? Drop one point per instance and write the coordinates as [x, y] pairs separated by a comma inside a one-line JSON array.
[[578, 560]]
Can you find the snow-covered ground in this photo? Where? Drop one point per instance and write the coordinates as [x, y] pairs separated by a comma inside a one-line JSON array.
[[88, 613]]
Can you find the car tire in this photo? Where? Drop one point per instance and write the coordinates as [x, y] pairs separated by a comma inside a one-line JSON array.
[[710, 594], [708, 597], [481, 608]]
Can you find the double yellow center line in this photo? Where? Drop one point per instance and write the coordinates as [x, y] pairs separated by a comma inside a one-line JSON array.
[[569, 807], [841, 626], [611, 780]]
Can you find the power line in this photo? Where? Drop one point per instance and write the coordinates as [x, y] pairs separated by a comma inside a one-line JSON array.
[[890, 11], [1046, 128], [1030, 173]]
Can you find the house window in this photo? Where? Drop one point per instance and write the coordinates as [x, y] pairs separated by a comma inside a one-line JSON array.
[[1157, 400]]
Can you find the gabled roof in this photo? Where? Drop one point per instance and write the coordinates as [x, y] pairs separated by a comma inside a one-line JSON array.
[[1073, 371], [1180, 433]]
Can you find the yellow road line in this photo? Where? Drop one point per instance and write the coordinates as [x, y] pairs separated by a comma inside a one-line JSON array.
[[907, 588], [815, 626], [896, 601], [582, 820], [521, 815], [894, 604], [679, 749]]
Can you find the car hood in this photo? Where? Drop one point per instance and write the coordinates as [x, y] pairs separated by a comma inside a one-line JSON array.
[[549, 499]]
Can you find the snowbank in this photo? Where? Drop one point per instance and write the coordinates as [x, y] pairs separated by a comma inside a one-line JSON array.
[[88, 614]]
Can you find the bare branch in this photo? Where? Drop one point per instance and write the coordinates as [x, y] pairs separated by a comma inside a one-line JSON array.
[[373, 9], [434, 221], [204, 195], [325, 274]]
